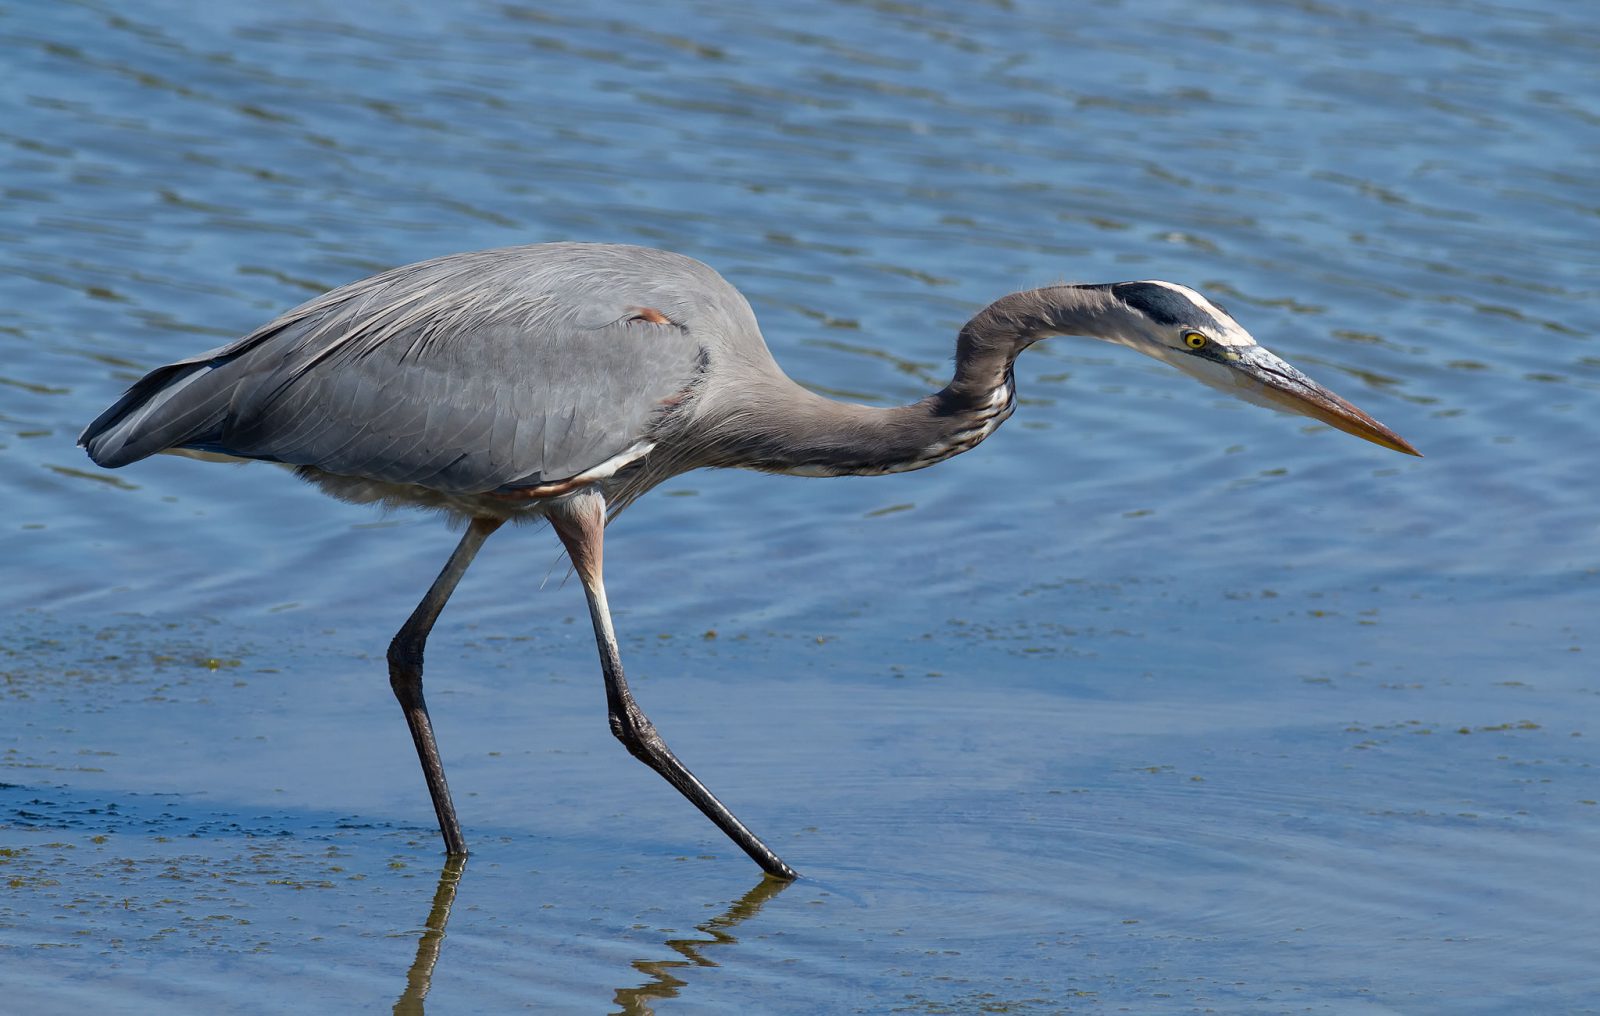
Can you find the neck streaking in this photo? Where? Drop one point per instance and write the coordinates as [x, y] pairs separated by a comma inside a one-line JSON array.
[[911, 437], [783, 428]]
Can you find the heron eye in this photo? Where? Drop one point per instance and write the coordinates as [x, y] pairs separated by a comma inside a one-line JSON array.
[[1194, 340]]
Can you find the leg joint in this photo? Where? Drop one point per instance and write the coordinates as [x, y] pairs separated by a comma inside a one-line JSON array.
[[636, 732], [405, 668], [405, 654]]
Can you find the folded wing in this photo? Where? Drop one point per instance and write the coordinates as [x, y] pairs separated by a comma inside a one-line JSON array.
[[466, 374]]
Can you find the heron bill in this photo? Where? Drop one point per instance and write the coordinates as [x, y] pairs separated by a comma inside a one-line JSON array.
[[1271, 382]]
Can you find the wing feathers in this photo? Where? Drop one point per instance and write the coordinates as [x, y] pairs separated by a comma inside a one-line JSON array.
[[464, 374]]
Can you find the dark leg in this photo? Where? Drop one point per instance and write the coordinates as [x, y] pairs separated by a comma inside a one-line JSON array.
[[405, 677], [580, 523]]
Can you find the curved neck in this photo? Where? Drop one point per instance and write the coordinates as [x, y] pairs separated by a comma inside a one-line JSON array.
[[781, 427], [989, 344]]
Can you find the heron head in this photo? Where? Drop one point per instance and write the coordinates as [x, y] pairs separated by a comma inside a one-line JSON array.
[[1177, 325]]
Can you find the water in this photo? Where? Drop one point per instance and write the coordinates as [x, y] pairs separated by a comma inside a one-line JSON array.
[[1153, 703]]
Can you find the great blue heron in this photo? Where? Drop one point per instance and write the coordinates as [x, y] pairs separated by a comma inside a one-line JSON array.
[[564, 380]]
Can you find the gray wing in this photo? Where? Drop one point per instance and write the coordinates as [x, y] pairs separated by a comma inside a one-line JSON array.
[[464, 374]]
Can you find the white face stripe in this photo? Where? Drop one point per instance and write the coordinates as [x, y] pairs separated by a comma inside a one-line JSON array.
[[1232, 334], [1193, 297]]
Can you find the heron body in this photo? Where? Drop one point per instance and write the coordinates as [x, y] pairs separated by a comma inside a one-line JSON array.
[[562, 381]]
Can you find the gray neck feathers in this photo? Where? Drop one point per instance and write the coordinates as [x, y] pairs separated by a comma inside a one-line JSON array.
[[777, 426], [990, 342]]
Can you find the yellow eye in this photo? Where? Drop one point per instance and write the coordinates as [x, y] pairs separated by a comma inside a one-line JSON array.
[[1194, 340]]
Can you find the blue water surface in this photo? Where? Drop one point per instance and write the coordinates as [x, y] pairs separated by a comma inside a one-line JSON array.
[[1154, 702]]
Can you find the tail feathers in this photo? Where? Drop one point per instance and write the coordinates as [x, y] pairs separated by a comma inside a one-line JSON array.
[[180, 405]]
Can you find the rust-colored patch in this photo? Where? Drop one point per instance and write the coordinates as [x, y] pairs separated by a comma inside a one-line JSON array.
[[542, 490], [650, 315]]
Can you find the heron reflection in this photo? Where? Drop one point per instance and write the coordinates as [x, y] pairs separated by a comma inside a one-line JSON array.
[[664, 980], [663, 983]]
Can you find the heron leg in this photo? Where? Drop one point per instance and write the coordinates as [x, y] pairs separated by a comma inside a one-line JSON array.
[[405, 677], [580, 523]]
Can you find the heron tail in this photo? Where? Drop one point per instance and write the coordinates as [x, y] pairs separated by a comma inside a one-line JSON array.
[[180, 405]]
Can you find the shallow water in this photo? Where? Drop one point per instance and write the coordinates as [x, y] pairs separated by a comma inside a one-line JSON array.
[[1152, 703]]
